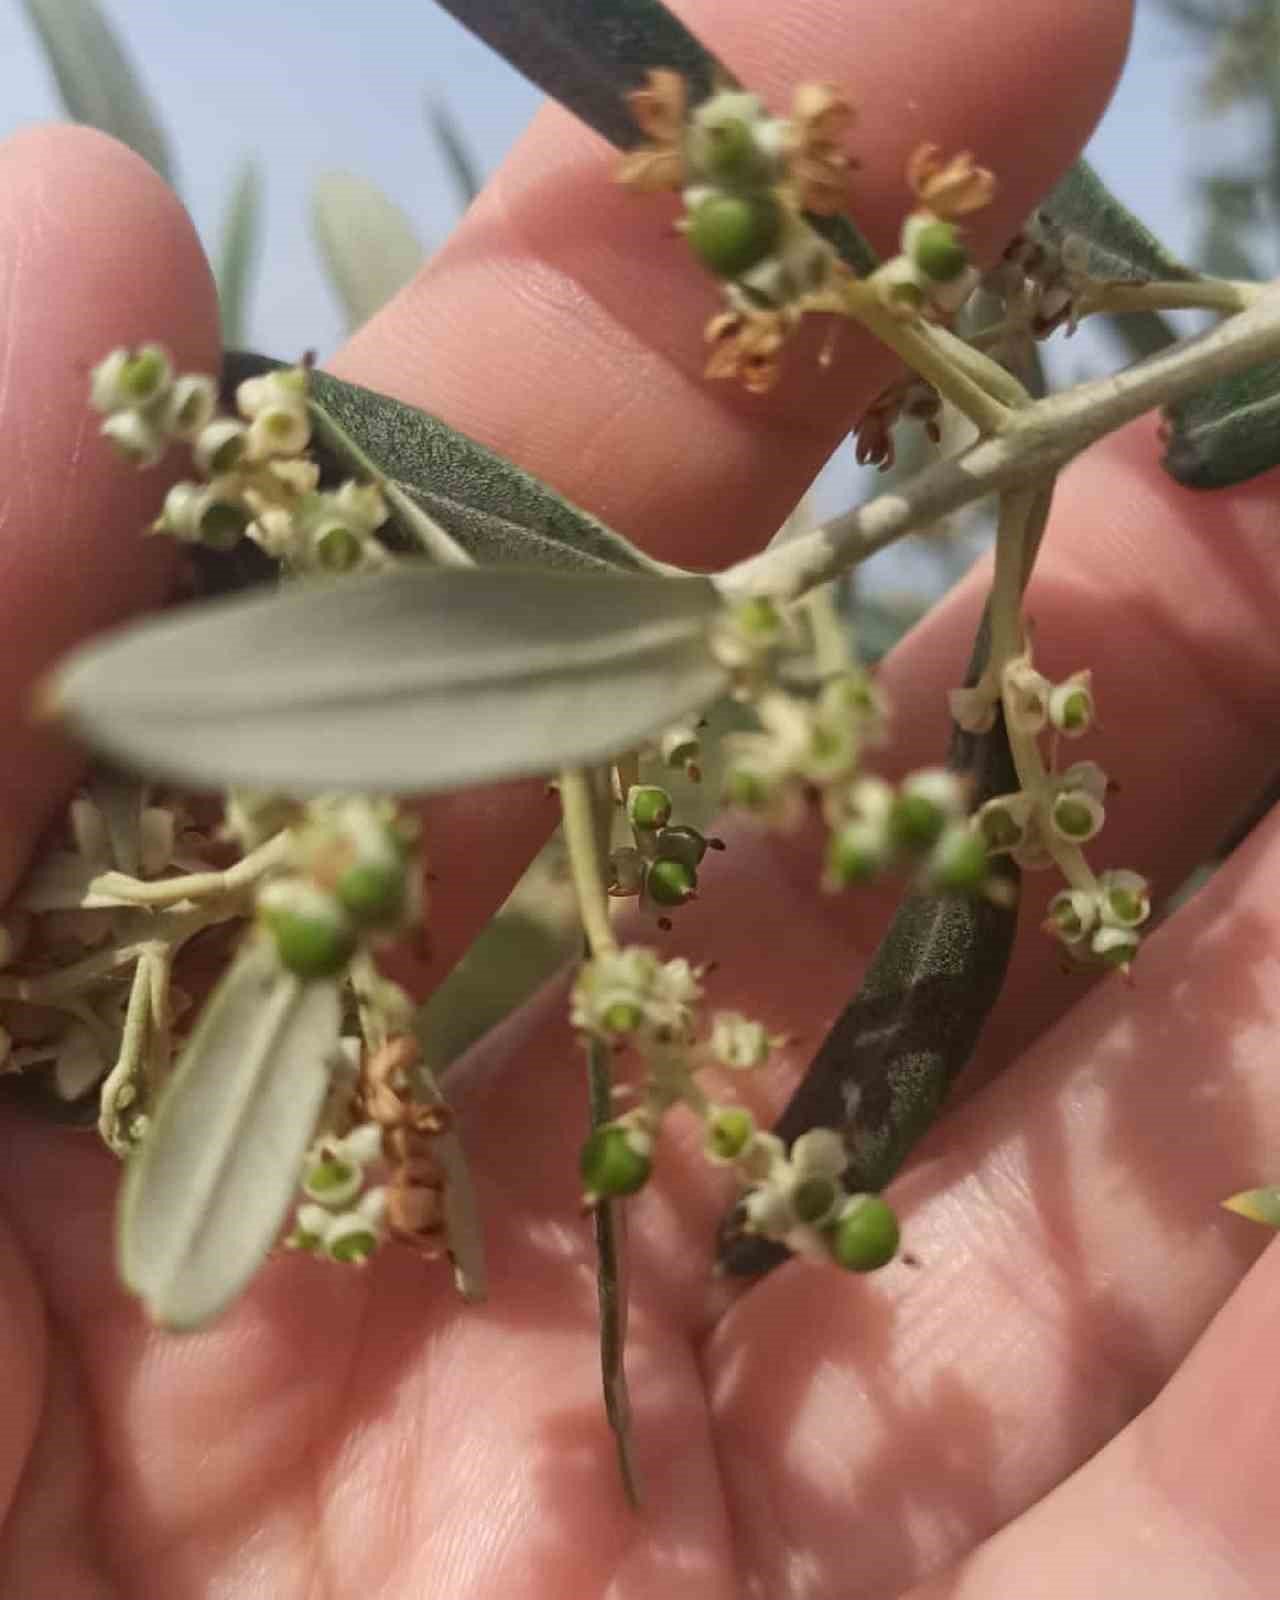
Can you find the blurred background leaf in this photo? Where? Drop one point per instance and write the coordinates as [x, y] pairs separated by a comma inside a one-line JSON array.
[[96, 79], [368, 244], [238, 249]]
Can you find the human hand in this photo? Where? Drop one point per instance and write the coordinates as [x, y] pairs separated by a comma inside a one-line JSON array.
[[815, 1435]]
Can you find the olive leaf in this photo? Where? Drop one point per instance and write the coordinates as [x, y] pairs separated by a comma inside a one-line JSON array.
[[589, 54], [498, 513], [95, 78], [404, 682], [238, 251], [1119, 245], [1227, 432], [367, 242], [205, 1197]]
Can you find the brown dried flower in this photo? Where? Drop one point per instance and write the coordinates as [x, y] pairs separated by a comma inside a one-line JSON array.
[[817, 161], [747, 346], [659, 112], [949, 189]]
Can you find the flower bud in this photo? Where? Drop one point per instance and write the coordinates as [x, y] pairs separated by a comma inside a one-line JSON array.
[[331, 1181], [1076, 816], [866, 1235], [1004, 821], [857, 852], [352, 1238], [731, 233], [958, 863], [335, 547], [135, 438], [1071, 706], [729, 1130], [738, 1042], [311, 1226], [313, 935], [1114, 947], [815, 1200], [722, 142], [1124, 899], [669, 882], [616, 1160], [279, 430], [220, 446], [130, 378], [934, 246], [1026, 696], [1072, 914], [925, 803], [648, 807], [819, 1153], [682, 749], [901, 287], [189, 405]]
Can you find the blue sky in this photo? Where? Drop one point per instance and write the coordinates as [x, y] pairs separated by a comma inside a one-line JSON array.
[[313, 85]]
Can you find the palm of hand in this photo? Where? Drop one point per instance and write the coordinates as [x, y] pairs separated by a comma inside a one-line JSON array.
[[818, 1435]]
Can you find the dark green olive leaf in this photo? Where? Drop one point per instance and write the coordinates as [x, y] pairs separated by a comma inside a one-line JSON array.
[[884, 1071], [1226, 433], [205, 1197], [95, 78], [589, 54], [1119, 245], [499, 514], [367, 242], [409, 681], [238, 252]]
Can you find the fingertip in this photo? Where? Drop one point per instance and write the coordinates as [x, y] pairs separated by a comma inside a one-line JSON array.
[[96, 251]]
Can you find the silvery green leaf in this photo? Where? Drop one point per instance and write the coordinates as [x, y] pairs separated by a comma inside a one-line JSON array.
[[406, 682], [1119, 245], [588, 54], [462, 165], [498, 513], [238, 251], [205, 1197], [1226, 433], [95, 78], [367, 242]]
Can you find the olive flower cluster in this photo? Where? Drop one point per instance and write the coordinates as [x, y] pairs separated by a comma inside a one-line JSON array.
[[256, 479], [630, 998]]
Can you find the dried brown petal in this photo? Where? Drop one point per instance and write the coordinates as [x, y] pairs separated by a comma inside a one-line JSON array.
[[949, 189], [651, 169], [659, 108], [747, 347], [817, 162]]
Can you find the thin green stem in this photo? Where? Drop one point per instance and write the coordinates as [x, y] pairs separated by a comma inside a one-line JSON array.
[[582, 838], [914, 344]]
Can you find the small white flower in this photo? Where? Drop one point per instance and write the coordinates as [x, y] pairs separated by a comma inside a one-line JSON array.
[[220, 446], [973, 710], [820, 1153], [1124, 898], [738, 1042], [1026, 696], [363, 1144], [189, 405], [136, 438]]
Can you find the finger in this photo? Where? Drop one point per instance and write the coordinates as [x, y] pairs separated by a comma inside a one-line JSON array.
[[95, 251], [1071, 1248], [562, 324], [1181, 1504]]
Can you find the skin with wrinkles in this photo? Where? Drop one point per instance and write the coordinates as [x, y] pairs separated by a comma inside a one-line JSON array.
[[817, 1435]]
